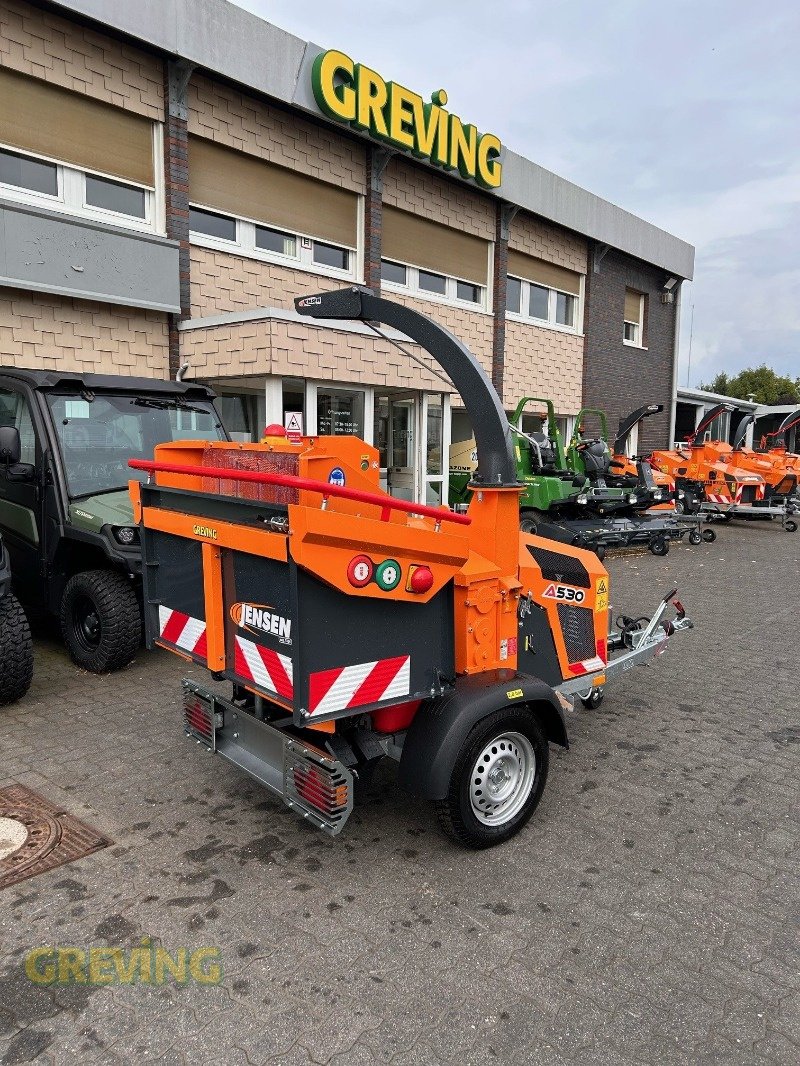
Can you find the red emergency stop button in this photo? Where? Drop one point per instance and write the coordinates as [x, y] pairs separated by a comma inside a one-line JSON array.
[[420, 579], [360, 571]]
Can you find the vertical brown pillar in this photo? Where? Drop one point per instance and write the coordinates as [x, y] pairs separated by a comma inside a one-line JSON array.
[[503, 218], [176, 183], [377, 158]]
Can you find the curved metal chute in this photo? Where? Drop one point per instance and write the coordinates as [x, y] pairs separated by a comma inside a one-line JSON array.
[[496, 464], [626, 424], [741, 430], [709, 418]]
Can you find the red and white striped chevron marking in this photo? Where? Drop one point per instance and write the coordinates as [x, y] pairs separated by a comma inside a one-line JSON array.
[[269, 670], [357, 686], [185, 632]]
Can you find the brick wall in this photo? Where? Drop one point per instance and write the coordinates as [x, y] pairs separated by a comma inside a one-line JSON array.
[[423, 192], [44, 332], [543, 362], [49, 47], [545, 241], [225, 115], [620, 378], [471, 328]]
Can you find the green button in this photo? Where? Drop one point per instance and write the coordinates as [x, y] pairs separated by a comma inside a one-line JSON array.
[[388, 575]]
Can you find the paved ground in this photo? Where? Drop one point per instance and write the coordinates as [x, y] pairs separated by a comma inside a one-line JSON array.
[[647, 915]]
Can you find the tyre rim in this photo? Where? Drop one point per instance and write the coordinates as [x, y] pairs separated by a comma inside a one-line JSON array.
[[502, 778], [86, 623]]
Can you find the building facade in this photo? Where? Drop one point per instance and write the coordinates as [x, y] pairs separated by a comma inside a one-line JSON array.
[[172, 177]]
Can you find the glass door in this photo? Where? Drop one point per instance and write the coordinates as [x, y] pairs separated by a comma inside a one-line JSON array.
[[395, 437], [435, 446]]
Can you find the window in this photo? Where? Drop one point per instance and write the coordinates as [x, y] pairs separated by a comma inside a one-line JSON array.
[[275, 240], [26, 173], [633, 322], [340, 412], [542, 305], [212, 224], [27, 179], [331, 256], [428, 282], [115, 196], [14, 411]]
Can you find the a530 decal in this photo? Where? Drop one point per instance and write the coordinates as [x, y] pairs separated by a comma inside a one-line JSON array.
[[564, 592]]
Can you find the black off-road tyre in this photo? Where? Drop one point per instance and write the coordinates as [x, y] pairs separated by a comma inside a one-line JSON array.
[[101, 620], [456, 814], [16, 651]]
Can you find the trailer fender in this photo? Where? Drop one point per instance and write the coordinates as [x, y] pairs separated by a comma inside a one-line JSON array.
[[441, 725]]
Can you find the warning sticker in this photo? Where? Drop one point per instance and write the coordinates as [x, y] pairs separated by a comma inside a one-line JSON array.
[[601, 599], [293, 424]]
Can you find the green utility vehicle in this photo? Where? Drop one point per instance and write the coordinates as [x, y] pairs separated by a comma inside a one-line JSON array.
[[65, 511]]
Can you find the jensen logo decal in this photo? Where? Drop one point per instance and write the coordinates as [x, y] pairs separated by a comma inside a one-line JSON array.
[[310, 301], [205, 531], [260, 618]]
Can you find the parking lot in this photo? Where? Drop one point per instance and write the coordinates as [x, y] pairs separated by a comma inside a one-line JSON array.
[[648, 914]]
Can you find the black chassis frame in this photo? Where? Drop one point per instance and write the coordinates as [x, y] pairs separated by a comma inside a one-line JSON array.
[[64, 549]]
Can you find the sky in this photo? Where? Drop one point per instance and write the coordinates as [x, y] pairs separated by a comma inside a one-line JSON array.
[[686, 113]]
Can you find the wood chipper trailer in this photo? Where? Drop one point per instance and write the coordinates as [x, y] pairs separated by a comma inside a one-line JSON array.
[[354, 625]]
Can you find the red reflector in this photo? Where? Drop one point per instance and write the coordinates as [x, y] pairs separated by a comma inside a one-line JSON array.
[[420, 579]]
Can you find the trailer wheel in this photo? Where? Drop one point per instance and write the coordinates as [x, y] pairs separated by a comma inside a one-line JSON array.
[[791, 526], [600, 552], [695, 536], [101, 620], [709, 535], [16, 651], [659, 546], [497, 779]]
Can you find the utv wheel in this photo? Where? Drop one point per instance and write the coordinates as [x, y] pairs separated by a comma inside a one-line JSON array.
[[16, 651], [594, 698], [659, 546], [101, 620], [497, 780], [695, 537], [709, 536]]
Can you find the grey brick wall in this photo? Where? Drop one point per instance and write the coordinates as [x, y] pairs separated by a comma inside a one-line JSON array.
[[618, 377]]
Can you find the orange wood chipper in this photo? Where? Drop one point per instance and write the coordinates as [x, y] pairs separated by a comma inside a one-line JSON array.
[[355, 626]]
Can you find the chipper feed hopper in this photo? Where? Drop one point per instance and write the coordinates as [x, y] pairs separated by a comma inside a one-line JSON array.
[[354, 625]]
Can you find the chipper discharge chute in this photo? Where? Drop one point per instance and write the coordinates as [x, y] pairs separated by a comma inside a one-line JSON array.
[[354, 625]]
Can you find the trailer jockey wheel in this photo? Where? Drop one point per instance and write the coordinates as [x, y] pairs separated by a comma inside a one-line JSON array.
[[709, 535], [594, 698], [659, 546], [600, 552], [497, 779], [791, 526], [696, 537]]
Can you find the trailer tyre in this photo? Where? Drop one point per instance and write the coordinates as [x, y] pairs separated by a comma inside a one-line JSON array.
[[16, 651], [497, 780], [101, 620], [709, 535], [695, 536], [791, 526], [659, 546]]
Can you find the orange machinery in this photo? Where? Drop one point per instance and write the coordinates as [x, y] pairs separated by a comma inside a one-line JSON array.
[[779, 468], [631, 467], [355, 626]]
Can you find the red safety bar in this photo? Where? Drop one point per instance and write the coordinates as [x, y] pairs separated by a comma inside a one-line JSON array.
[[386, 503]]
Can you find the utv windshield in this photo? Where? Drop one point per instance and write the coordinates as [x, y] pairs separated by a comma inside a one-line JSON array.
[[99, 432]]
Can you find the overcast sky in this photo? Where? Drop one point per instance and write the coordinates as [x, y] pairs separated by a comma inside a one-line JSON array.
[[686, 113]]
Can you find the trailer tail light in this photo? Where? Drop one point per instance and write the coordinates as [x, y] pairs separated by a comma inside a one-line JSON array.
[[200, 719], [320, 786]]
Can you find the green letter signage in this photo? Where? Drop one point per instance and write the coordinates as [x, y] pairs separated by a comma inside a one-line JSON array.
[[353, 93]]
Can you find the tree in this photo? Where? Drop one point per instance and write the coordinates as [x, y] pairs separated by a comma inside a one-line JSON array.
[[762, 382]]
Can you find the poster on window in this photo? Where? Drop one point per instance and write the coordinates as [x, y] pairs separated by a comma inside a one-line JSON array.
[[340, 413]]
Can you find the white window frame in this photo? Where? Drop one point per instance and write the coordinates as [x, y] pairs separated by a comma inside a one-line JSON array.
[[71, 196], [550, 321], [637, 343], [245, 245], [412, 288]]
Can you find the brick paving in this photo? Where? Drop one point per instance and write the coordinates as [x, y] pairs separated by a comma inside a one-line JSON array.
[[648, 914]]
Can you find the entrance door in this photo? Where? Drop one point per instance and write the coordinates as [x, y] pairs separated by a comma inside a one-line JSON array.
[[395, 438]]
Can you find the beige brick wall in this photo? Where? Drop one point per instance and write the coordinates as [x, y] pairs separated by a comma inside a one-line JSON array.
[[222, 282], [225, 115], [56, 50], [471, 328], [44, 332], [543, 362], [551, 243], [293, 349], [421, 191]]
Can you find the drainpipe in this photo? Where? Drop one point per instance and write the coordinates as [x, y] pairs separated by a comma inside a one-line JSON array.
[[675, 353]]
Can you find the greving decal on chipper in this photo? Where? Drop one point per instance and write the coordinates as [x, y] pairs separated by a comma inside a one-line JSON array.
[[355, 626]]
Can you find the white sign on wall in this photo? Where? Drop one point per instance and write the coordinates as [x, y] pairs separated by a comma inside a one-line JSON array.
[[293, 424]]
